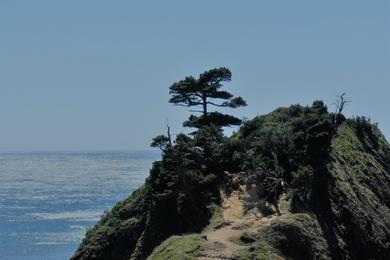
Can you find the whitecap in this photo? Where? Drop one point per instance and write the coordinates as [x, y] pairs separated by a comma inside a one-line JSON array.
[[78, 215], [50, 243]]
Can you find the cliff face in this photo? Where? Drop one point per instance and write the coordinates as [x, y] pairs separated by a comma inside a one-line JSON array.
[[336, 204], [352, 201], [344, 214]]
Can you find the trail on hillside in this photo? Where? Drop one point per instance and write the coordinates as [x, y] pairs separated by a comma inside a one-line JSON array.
[[220, 243]]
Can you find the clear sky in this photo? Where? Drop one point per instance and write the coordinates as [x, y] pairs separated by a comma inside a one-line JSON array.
[[94, 75]]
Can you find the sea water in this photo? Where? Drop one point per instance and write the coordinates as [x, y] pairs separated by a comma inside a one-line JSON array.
[[49, 200]]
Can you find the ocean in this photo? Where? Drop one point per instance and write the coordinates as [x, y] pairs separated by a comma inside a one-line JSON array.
[[49, 199]]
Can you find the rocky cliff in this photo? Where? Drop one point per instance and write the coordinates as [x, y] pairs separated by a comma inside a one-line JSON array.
[[298, 183]]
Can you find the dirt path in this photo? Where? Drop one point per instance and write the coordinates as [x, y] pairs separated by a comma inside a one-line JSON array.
[[219, 243]]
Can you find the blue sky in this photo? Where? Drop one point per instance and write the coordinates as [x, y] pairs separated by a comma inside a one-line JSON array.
[[94, 75]]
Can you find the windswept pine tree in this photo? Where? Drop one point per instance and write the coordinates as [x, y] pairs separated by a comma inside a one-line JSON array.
[[204, 92]]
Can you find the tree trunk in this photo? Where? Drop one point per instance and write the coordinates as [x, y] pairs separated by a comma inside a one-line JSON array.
[[204, 103]]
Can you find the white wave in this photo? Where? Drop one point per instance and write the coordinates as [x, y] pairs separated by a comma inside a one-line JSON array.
[[50, 243], [78, 215], [32, 197], [59, 238]]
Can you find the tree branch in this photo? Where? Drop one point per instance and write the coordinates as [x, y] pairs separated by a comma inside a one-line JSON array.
[[217, 105]]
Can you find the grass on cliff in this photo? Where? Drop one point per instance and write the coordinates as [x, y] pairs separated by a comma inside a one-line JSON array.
[[186, 247], [353, 167]]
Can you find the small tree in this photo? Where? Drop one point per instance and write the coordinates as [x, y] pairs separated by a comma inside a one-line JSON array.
[[340, 104], [162, 141], [204, 92]]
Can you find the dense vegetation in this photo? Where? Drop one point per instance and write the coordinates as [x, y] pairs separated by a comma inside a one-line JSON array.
[[334, 170]]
